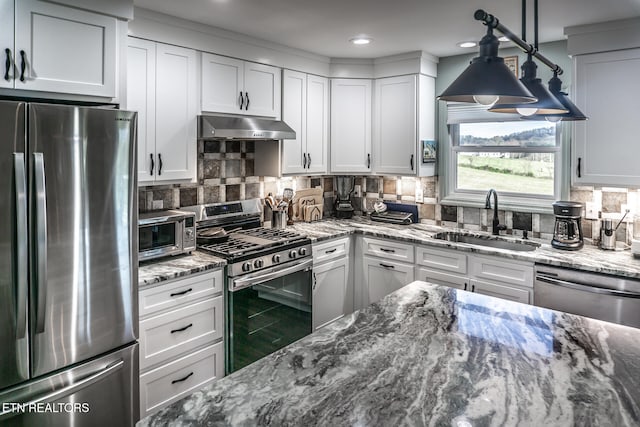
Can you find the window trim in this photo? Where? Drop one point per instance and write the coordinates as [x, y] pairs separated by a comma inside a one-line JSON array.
[[508, 201]]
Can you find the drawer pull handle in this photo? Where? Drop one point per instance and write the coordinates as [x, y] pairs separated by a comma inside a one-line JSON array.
[[473, 288], [331, 251], [182, 329], [391, 251], [182, 379], [186, 291], [465, 286], [386, 265]]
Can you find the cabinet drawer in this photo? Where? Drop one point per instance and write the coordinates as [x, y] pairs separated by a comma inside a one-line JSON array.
[[511, 293], [168, 383], [388, 249], [173, 294], [325, 251], [507, 271], [441, 278], [177, 332], [442, 259]]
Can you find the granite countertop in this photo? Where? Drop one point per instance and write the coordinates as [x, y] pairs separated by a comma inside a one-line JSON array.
[[155, 271], [432, 355], [589, 258]]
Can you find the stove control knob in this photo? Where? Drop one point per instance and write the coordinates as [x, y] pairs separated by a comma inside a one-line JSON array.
[[189, 232], [246, 266], [302, 251], [293, 254], [276, 258], [258, 263]]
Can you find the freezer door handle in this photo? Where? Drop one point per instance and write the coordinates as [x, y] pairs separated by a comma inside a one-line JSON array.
[[40, 241], [76, 386], [22, 255]]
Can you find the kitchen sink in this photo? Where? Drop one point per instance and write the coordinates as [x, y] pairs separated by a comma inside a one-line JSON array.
[[490, 241]]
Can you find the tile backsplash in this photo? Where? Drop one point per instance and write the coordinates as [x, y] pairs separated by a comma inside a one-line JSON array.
[[226, 173]]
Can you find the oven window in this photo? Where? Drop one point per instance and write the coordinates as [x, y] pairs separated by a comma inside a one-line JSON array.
[[268, 316], [157, 236]]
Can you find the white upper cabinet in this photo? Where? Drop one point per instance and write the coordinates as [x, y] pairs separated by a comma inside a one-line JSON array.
[[55, 48], [240, 87], [305, 107], [607, 147], [351, 126], [161, 87], [395, 131], [6, 43]]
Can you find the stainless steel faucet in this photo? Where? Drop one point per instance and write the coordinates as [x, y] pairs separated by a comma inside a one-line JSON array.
[[495, 225]]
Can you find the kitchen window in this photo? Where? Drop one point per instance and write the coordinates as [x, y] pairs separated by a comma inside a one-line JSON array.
[[521, 159]]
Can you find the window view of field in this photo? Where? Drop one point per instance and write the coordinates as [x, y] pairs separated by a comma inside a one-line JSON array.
[[506, 171]]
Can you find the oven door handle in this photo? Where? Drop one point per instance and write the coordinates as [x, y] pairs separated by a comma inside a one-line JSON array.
[[251, 280], [587, 288]]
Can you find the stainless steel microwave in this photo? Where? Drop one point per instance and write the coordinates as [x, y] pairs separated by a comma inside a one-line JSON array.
[[165, 233]]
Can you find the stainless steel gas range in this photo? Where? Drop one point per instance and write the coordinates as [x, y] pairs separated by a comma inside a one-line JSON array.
[[269, 280]]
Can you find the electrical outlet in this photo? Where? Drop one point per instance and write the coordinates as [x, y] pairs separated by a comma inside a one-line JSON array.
[[357, 191], [419, 195], [591, 211]]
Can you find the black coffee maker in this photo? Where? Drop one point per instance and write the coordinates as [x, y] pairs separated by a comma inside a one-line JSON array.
[[344, 188], [567, 233]]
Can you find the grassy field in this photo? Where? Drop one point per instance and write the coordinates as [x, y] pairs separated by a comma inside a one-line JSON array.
[[478, 179], [521, 166]]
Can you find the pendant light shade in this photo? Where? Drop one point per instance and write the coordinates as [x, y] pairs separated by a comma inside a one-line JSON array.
[[546, 103], [487, 79], [573, 113]]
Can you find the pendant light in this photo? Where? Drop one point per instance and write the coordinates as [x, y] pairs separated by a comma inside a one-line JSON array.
[[573, 113], [487, 79], [546, 103]]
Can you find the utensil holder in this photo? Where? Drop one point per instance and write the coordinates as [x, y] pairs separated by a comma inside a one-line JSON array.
[[279, 219]]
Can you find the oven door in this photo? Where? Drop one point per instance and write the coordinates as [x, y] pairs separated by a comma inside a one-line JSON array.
[[267, 310], [159, 239]]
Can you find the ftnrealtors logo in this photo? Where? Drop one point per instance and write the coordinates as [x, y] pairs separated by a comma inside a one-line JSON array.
[[45, 408]]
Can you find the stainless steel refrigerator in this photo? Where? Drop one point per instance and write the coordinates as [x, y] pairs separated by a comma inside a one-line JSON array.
[[68, 266]]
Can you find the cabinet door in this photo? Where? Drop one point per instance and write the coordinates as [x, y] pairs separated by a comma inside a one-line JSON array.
[[294, 113], [350, 125], [445, 279], [222, 82], [66, 50], [381, 277], [606, 146], [262, 87], [176, 109], [141, 97], [6, 42], [317, 132], [395, 125], [331, 299], [512, 293]]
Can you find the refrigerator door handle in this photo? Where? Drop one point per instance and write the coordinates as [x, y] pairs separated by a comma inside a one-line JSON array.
[[22, 255], [75, 387], [41, 241]]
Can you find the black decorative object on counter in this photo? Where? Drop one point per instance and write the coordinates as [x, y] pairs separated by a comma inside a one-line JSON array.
[[567, 233]]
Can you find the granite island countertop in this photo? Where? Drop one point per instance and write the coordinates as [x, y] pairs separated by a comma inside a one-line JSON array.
[[173, 267], [589, 258], [432, 355]]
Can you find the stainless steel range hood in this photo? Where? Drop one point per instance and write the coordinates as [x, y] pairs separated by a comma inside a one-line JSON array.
[[236, 127]]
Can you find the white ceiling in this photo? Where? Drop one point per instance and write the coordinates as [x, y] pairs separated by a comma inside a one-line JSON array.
[[325, 26]]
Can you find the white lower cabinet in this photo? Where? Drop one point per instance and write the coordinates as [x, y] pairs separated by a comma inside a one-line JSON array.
[[332, 283], [168, 383], [382, 277], [488, 275], [181, 338]]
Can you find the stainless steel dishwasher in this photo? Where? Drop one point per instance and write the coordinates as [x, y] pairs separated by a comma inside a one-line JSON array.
[[599, 296]]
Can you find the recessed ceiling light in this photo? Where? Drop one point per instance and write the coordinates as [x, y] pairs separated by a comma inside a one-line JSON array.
[[503, 39], [467, 44], [361, 40]]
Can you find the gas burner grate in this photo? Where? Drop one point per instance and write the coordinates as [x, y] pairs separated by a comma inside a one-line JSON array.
[[254, 241]]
